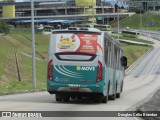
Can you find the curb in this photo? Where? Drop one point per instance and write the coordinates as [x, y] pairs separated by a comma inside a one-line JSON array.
[[128, 70], [143, 101], [21, 92]]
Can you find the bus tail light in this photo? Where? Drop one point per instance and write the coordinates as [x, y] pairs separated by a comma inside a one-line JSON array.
[[99, 77], [50, 69]]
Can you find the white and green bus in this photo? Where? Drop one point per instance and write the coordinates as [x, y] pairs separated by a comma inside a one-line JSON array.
[[103, 27], [132, 34], [99, 26], [85, 63]]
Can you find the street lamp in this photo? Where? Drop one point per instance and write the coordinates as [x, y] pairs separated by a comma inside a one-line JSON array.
[[33, 47], [103, 10], [92, 12], [118, 18], [140, 19], [66, 7]]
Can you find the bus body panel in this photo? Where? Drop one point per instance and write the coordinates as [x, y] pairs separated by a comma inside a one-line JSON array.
[[77, 73]]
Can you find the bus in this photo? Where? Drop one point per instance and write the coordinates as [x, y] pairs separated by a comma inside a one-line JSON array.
[[132, 34], [102, 27], [85, 63], [99, 26]]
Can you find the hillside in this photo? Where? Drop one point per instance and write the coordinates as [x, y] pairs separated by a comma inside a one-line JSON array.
[[16, 62], [142, 21]]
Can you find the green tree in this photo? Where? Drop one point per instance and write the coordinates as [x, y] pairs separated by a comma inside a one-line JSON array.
[[4, 27]]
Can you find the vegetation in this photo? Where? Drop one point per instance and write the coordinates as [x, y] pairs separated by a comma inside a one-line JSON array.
[[16, 46], [142, 21], [4, 27], [133, 52]]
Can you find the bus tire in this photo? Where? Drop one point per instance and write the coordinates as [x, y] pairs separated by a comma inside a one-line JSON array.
[[104, 99], [58, 98], [113, 97], [118, 95], [66, 98], [79, 97], [97, 99]]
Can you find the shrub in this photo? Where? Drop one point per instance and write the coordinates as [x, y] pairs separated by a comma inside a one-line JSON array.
[[4, 27]]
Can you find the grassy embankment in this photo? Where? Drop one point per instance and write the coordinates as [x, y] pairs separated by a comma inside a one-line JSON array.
[[17, 47], [145, 21]]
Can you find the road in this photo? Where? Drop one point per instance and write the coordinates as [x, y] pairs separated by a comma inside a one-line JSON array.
[[138, 85]]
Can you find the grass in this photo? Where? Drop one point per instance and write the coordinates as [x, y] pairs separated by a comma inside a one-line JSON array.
[[141, 21], [20, 41], [3, 57], [133, 52], [15, 43]]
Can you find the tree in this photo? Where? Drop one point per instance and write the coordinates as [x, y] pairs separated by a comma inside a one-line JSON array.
[[4, 27]]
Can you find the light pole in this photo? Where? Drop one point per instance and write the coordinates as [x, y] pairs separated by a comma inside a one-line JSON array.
[[92, 12], [33, 47], [140, 19], [118, 18], [103, 11], [66, 7]]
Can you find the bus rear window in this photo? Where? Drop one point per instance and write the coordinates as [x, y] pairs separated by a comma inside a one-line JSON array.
[[76, 42]]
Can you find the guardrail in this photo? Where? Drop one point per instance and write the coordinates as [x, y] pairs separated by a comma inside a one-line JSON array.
[[128, 70], [150, 34]]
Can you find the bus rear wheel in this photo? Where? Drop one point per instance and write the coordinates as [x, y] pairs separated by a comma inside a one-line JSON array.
[[104, 99], [58, 97], [113, 97], [97, 99], [118, 95], [66, 98]]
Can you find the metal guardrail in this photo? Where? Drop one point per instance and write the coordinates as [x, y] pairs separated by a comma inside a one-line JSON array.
[[150, 34]]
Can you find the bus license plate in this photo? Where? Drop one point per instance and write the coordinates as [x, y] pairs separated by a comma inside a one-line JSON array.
[[74, 89]]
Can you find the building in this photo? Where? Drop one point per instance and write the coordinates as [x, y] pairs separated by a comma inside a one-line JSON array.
[[146, 5], [61, 7]]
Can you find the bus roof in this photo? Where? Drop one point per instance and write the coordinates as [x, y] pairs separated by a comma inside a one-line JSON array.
[[79, 29]]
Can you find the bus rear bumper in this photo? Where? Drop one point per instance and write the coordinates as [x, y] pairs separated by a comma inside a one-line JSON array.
[[54, 88]]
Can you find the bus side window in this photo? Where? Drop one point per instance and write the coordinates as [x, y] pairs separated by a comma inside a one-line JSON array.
[[115, 57], [121, 54], [119, 59], [106, 54], [110, 46], [111, 55]]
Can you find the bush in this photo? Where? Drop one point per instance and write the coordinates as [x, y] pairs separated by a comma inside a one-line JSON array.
[[137, 10], [4, 27]]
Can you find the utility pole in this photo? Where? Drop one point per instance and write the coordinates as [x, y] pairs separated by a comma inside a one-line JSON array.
[[140, 19], [33, 47], [93, 12], [118, 18], [66, 7], [103, 11]]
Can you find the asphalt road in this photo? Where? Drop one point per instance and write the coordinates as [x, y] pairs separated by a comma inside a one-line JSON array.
[[138, 85]]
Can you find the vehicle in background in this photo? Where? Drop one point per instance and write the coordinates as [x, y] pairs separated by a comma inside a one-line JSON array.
[[85, 63], [128, 33], [103, 27], [99, 26]]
